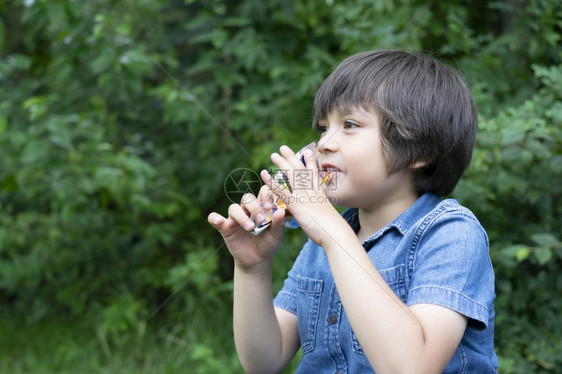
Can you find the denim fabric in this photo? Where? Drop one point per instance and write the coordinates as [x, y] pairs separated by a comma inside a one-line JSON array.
[[436, 253]]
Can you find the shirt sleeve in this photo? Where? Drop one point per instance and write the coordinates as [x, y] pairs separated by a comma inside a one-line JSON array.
[[452, 267], [286, 298]]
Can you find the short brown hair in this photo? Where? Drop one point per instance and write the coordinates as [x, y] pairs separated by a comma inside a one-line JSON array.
[[426, 110]]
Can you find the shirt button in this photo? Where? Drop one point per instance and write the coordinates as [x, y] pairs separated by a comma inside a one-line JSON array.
[[333, 319]]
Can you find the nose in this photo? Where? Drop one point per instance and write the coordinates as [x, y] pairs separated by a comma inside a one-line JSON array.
[[328, 141]]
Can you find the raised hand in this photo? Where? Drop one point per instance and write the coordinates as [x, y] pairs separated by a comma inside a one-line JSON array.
[[249, 250], [309, 204]]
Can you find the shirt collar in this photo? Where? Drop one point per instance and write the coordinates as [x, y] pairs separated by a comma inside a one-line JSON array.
[[402, 223]]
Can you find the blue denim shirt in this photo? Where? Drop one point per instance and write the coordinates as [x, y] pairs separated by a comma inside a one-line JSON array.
[[435, 253]]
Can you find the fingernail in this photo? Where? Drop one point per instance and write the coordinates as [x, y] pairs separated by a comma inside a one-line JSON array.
[[213, 219], [248, 225], [260, 218]]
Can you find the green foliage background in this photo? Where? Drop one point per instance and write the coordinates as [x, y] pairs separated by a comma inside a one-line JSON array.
[[119, 122]]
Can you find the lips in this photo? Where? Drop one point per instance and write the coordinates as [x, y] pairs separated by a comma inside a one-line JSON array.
[[325, 167], [328, 172], [325, 172]]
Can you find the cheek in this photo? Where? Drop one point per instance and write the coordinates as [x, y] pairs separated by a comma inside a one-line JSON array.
[[370, 172]]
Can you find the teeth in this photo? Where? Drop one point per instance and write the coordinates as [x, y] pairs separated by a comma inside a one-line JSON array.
[[327, 175], [328, 171]]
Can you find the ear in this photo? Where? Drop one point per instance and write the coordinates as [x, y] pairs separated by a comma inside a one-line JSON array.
[[418, 164]]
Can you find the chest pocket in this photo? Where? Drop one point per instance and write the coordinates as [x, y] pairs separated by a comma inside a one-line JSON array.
[[395, 278], [308, 308]]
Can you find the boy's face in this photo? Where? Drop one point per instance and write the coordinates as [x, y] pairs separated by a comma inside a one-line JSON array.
[[350, 145]]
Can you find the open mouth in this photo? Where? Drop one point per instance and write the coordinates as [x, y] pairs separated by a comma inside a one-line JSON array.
[[328, 174]]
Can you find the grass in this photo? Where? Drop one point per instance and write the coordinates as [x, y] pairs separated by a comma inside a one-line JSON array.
[[78, 346], [62, 345]]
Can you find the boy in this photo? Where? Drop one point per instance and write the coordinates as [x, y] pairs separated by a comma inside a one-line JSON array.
[[402, 280]]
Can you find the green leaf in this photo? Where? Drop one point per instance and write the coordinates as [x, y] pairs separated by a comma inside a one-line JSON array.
[[543, 255], [20, 62], [10, 183], [511, 153], [517, 251], [544, 239], [556, 164], [538, 148], [60, 134], [512, 137], [522, 254], [35, 150], [3, 124], [137, 60]]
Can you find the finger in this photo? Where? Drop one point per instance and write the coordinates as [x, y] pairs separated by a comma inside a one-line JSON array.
[[310, 160], [267, 180], [247, 199], [280, 161], [237, 213], [254, 208], [216, 220], [312, 165], [278, 184], [277, 190], [274, 183], [294, 163], [224, 225], [277, 227], [265, 196], [286, 159], [291, 156]]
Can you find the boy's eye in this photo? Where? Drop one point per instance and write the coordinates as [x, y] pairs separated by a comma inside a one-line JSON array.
[[321, 128], [350, 125]]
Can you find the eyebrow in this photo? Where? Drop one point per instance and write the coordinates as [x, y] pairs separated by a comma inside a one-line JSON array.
[[342, 114], [348, 111]]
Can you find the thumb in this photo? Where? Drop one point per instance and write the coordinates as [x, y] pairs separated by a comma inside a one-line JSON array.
[[277, 221]]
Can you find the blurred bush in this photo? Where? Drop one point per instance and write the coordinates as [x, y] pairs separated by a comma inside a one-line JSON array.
[[119, 122]]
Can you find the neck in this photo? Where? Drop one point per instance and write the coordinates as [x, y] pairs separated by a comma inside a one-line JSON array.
[[373, 219]]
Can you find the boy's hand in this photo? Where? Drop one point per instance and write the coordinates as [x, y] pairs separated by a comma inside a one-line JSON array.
[[249, 250], [309, 204]]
